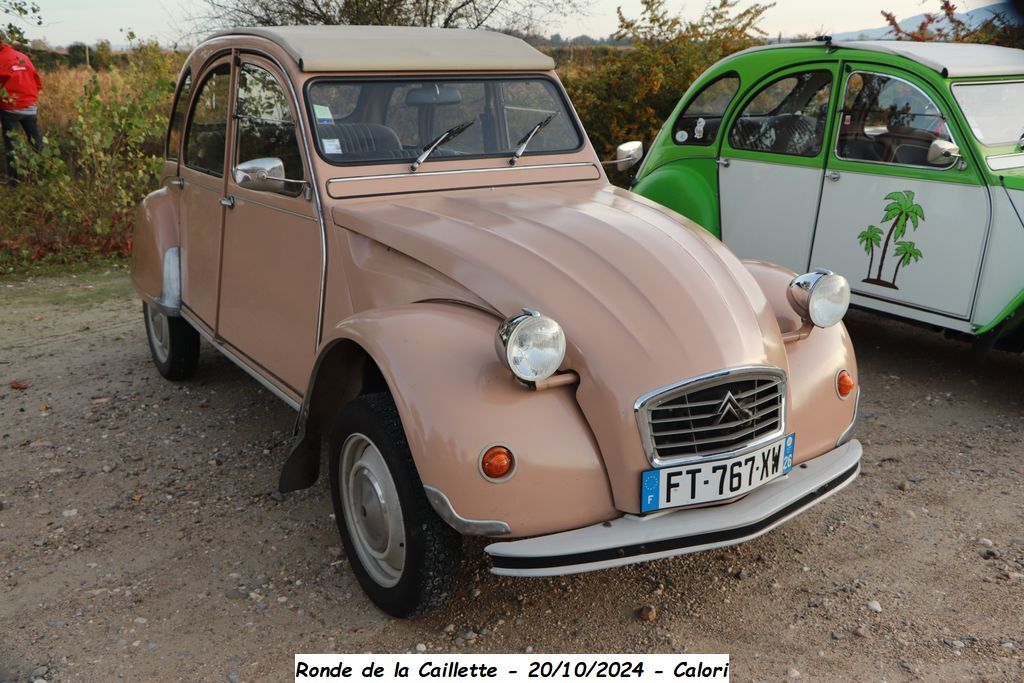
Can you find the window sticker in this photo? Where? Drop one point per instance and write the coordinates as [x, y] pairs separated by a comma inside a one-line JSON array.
[[698, 130], [323, 113], [681, 136], [332, 146]]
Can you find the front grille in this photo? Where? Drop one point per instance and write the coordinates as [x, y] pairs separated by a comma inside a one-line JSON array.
[[709, 416]]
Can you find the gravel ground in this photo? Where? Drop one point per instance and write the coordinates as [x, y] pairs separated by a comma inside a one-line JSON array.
[[141, 537]]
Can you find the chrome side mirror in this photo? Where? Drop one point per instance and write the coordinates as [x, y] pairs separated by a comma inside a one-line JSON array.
[[942, 153], [628, 155], [265, 175]]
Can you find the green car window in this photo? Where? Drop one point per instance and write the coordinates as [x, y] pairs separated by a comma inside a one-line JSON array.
[[787, 116], [888, 120], [698, 124]]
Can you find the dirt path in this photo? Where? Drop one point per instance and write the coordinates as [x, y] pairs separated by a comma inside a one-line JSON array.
[[141, 537]]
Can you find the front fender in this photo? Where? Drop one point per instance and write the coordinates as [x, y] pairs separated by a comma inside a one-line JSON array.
[[816, 413], [156, 256], [455, 400]]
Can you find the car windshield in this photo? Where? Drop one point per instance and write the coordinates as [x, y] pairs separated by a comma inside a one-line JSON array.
[[392, 120], [995, 111]]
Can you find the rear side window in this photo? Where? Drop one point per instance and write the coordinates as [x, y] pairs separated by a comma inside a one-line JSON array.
[[178, 118], [208, 123], [698, 124], [787, 116], [889, 121]]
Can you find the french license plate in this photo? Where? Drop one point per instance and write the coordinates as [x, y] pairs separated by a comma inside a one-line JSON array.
[[707, 482]]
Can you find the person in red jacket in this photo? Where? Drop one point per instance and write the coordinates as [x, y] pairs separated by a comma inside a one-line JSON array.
[[19, 95]]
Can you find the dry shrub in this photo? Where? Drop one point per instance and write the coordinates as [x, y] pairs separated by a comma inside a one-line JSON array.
[[103, 134]]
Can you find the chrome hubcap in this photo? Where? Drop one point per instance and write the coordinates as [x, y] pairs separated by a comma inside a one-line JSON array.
[[372, 512], [159, 333]]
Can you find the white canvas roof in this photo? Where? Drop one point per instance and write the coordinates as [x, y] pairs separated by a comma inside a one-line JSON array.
[[400, 48], [956, 60], [953, 60]]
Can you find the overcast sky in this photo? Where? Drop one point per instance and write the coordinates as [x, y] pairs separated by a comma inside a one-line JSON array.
[[68, 21]]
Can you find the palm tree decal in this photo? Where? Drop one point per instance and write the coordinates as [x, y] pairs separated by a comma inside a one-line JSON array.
[[901, 210], [869, 239], [906, 253]]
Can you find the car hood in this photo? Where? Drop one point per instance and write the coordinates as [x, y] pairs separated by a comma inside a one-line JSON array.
[[646, 298]]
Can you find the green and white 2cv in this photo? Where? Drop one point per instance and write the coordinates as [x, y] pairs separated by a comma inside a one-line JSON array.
[[897, 164]]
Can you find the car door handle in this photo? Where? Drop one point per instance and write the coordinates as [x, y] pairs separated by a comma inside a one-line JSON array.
[[724, 162], [177, 182], [832, 175], [227, 202]]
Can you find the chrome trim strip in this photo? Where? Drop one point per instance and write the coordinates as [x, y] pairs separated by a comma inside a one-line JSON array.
[[468, 527], [848, 432], [271, 207], [640, 411], [264, 382], [423, 174], [300, 122]]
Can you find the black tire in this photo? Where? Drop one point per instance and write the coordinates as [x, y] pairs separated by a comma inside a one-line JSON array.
[[178, 359], [432, 548]]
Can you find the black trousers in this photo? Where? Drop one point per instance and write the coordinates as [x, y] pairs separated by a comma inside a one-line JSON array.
[[9, 122]]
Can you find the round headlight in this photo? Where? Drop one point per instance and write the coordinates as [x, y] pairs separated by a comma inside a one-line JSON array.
[[821, 297], [531, 345]]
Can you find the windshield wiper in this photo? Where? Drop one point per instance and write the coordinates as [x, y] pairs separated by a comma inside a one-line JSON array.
[[447, 136], [525, 140]]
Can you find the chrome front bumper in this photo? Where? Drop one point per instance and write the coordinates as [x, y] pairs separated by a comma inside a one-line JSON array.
[[633, 538]]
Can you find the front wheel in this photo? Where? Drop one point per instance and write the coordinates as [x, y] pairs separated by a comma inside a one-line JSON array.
[[404, 556], [173, 343]]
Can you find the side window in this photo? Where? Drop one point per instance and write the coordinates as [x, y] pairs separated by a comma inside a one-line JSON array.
[[890, 121], [698, 124], [787, 116], [208, 123], [265, 124], [178, 118]]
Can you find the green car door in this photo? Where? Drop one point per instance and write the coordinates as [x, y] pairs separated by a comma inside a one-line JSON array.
[[772, 164], [906, 225]]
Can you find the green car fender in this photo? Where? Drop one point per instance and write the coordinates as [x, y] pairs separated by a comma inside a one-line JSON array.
[[687, 186]]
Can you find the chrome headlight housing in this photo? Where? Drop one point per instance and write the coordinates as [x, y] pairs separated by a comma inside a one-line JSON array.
[[821, 297], [531, 345]]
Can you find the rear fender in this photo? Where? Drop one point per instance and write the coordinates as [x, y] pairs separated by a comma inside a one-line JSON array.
[[156, 252], [688, 187], [455, 400]]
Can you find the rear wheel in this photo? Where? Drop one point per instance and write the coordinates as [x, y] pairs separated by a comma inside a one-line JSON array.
[[404, 556], [173, 343]]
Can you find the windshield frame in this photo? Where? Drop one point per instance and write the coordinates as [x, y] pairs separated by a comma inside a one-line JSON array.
[[342, 77], [967, 119]]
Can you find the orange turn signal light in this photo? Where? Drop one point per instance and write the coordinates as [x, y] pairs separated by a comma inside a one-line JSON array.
[[496, 462], [844, 384]]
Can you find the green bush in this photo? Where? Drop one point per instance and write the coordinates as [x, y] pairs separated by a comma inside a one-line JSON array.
[[631, 92]]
